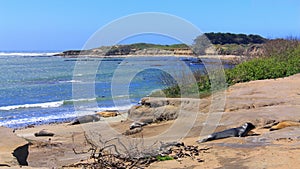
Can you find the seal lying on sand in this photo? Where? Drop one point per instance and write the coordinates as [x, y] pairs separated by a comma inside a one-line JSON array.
[[43, 133], [234, 132], [284, 124], [142, 123], [108, 113], [85, 119]]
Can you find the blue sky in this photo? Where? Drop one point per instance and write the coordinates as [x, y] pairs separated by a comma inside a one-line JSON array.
[[68, 24]]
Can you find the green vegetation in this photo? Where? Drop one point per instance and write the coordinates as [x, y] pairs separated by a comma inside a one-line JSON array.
[[164, 158], [226, 43], [141, 46], [281, 59], [127, 49], [230, 38], [278, 62]]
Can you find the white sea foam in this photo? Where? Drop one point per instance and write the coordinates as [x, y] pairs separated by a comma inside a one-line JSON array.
[[71, 81], [52, 118], [35, 120], [35, 105], [121, 96], [82, 100], [26, 54], [119, 108]]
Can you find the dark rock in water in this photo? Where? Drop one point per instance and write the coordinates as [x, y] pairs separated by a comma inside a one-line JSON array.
[[86, 119], [43, 133], [21, 153]]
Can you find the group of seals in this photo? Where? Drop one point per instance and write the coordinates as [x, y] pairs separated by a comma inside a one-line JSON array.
[[95, 117], [233, 132]]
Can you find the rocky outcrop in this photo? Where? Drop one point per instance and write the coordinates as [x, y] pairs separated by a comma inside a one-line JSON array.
[[162, 109], [250, 50], [21, 153], [13, 149]]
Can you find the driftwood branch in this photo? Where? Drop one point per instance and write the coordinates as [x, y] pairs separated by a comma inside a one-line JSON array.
[[134, 153]]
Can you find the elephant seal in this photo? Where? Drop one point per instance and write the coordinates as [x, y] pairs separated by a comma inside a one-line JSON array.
[[142, 123], [43, 133], [233, 132], [284, 124], [108, 113], [86, 119]]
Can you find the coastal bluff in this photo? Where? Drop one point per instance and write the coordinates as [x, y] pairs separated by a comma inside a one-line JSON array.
[[139, 49]]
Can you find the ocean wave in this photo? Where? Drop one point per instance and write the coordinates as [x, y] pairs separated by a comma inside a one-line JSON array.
[[36, 120], [64, 103], [35, 105], [121, 96], [62, 117], [27, 54], [71, 81]]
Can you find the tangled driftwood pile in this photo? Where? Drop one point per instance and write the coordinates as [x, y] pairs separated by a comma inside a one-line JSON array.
[[108, 156]]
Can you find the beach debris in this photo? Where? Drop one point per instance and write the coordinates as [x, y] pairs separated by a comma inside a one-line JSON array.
[[44, 144], [200, 160], [108, 113], [44, 133], [4, 165], [85, 119], [113, 153]]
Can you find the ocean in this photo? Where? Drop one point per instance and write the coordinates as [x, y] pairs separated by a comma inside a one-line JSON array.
[[38, 88]]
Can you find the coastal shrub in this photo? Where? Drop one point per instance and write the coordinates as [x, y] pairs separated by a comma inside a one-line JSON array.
[[281, 61], [230, 38], [187, 86], [164, 158], [279, 47]]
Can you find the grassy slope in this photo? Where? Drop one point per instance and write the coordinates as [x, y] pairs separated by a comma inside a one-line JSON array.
[[279, 62]]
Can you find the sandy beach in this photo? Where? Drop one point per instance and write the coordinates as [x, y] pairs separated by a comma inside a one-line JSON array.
[[257, 102]]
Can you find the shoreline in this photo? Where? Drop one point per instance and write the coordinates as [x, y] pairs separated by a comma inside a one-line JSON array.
[[167, 55], [253, 101], [229, 59]]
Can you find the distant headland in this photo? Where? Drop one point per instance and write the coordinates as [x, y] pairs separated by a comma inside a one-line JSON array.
[[219, 43]]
